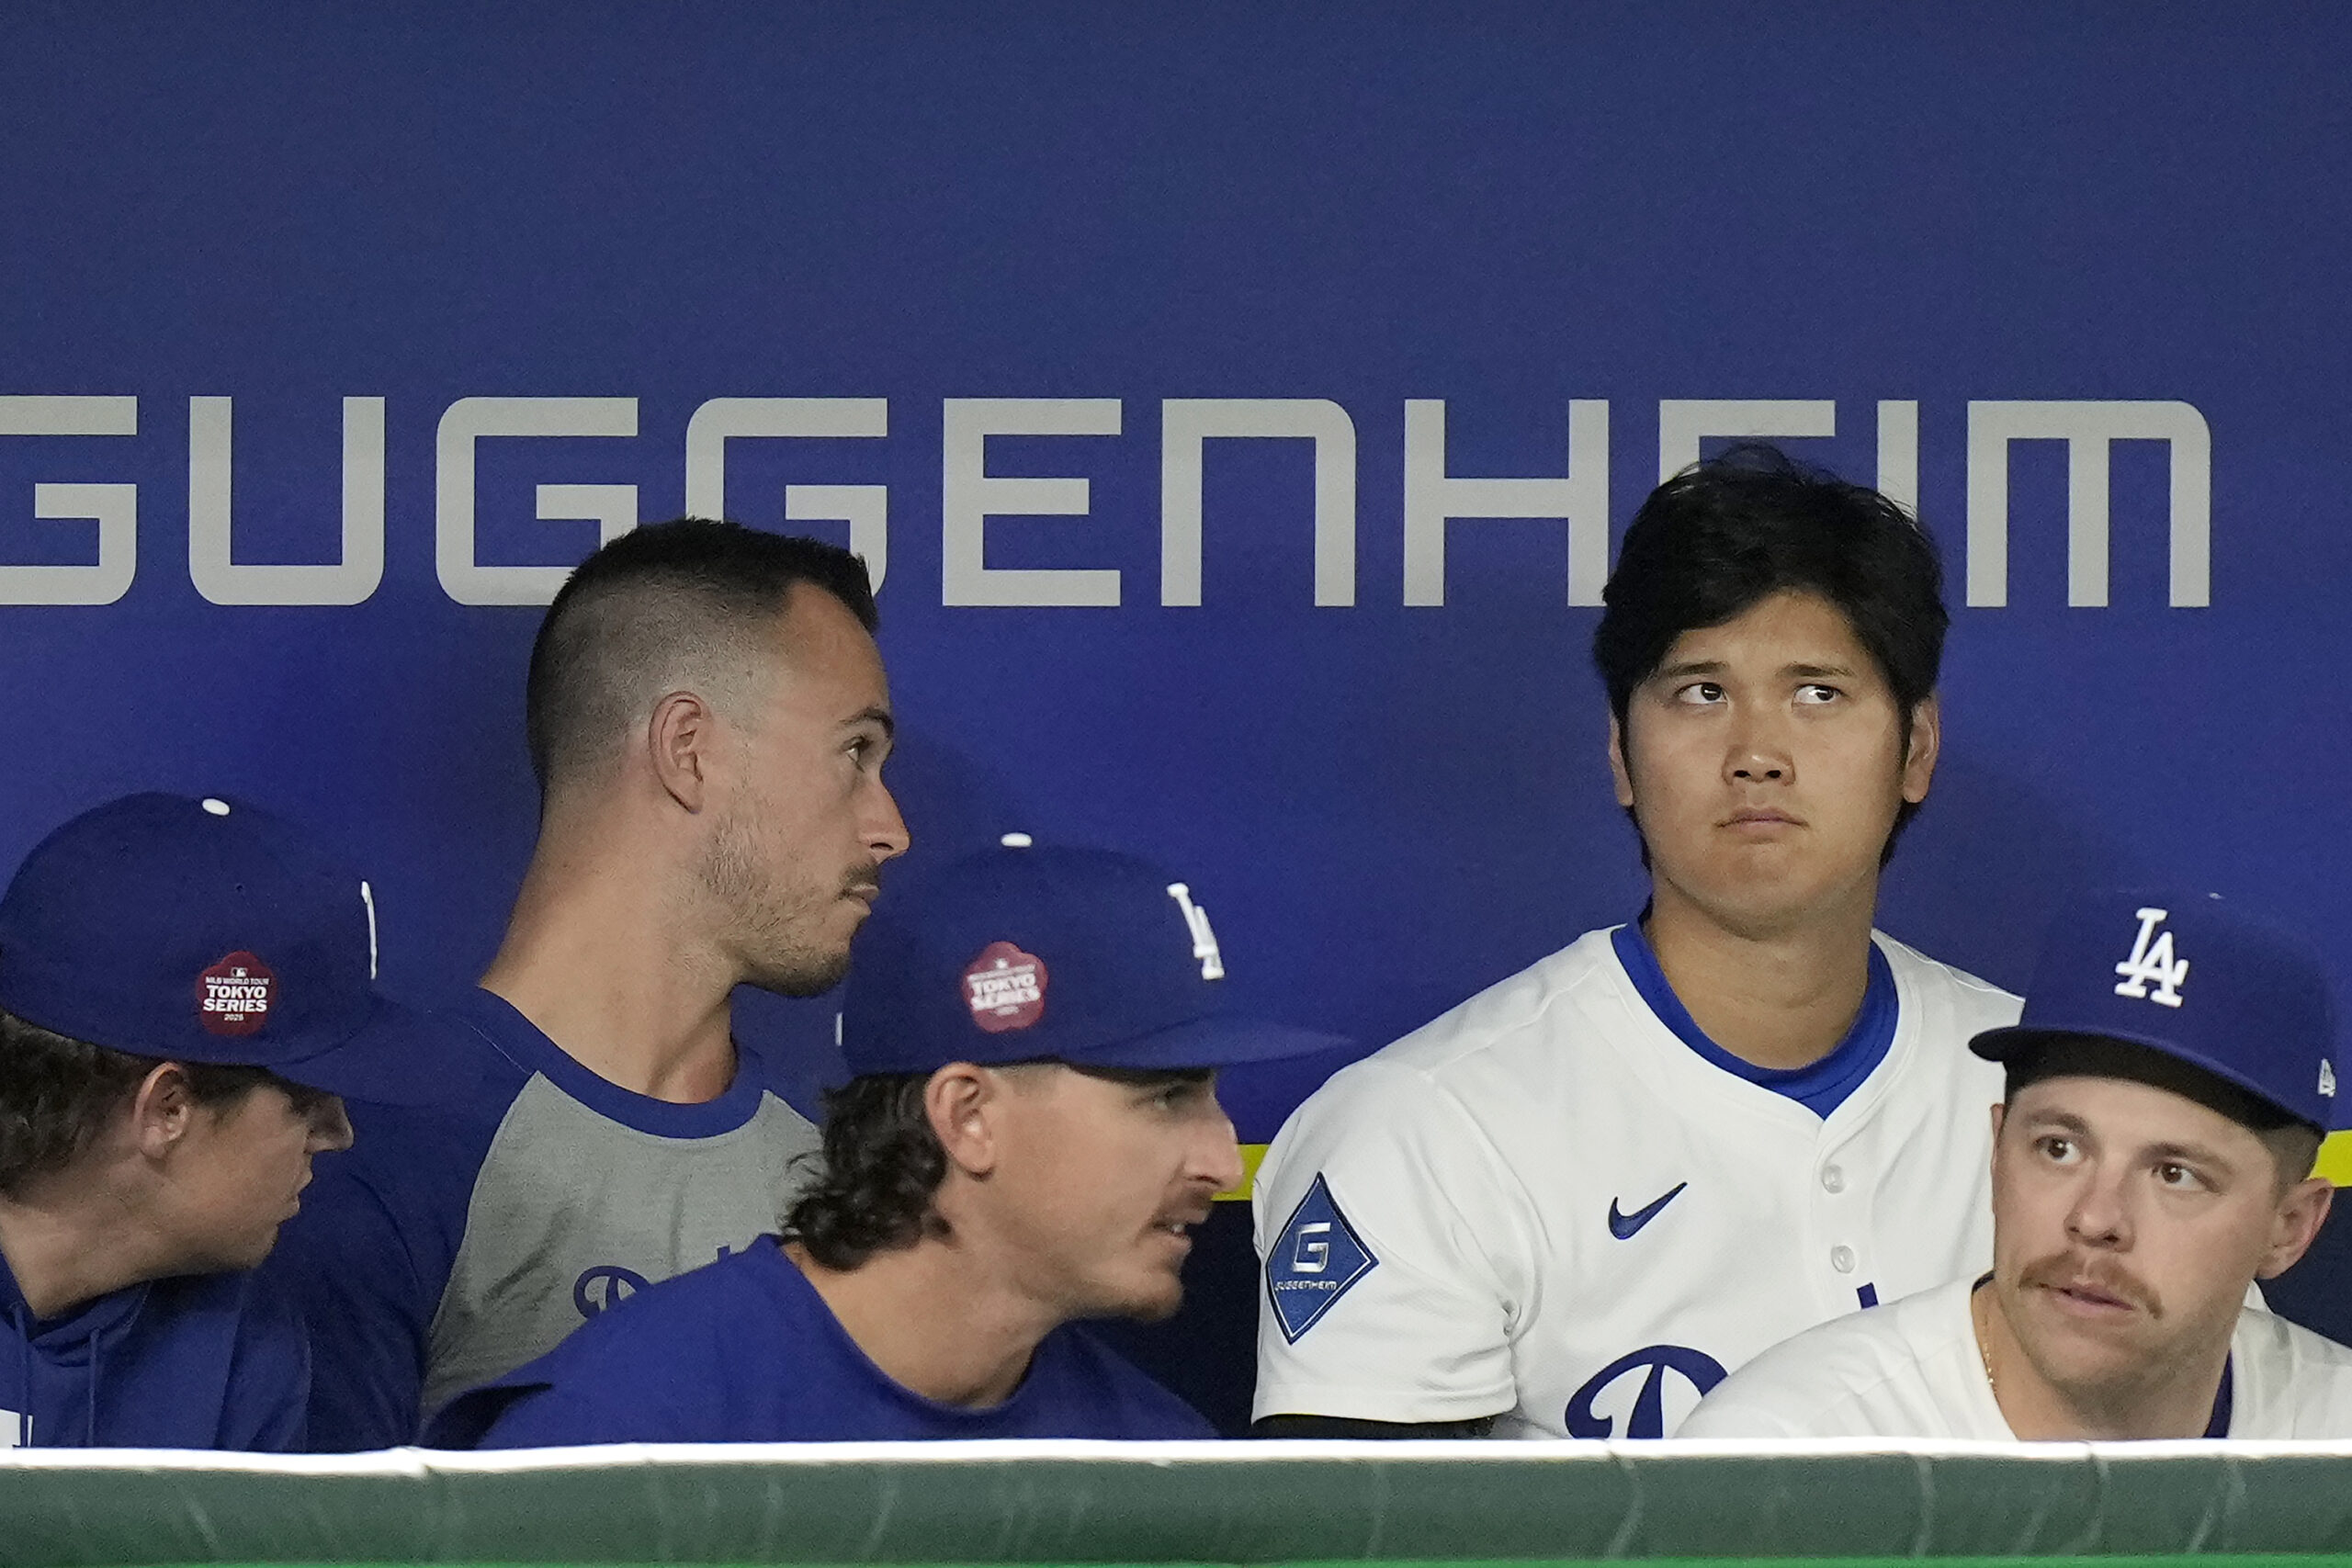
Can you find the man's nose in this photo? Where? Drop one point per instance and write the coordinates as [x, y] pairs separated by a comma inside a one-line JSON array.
[[885, 829], [2099, 1216], [330, 1126], [1759, 751]]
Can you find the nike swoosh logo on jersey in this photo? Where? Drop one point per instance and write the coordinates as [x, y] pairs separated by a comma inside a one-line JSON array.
[[1623, 1226]]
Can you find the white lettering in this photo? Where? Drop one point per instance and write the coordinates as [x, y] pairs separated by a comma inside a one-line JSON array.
[[1187, 423], [968, 497], [1196, 922], [865, 508], [209, 564], [2088, 428], [2152, 961], [1434, 498], [469, 420], [1313, 1253], [113, 507], [1898, 454]]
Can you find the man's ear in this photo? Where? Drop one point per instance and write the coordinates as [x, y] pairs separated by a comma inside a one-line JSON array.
[[1927, 742], [961, 1100], [1623, 780], [679, 737], [162, 1109], [2302, 1209]]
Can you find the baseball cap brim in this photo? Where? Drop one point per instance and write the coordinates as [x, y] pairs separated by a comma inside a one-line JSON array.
[[2017, 1039], [1218, 1041], [396, 1057]]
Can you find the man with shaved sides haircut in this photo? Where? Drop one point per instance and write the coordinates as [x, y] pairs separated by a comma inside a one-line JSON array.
[[708, 718]]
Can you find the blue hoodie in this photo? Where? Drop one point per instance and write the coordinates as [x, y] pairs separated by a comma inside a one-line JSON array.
[[198, 1361]]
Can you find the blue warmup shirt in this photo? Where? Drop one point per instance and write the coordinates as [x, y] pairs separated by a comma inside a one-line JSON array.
[[455, 1241], [746, 1351], [1820, 1088], [198, 1361]]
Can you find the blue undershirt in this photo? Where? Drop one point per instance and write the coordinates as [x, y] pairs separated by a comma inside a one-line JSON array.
[[1821, 1087]]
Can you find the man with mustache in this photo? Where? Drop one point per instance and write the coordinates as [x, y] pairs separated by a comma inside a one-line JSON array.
[[2168, 1090], [1033, 1130], [708, 718]]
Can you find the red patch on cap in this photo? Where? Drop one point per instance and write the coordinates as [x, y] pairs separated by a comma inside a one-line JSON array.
[[1006, 988], [235, 996]]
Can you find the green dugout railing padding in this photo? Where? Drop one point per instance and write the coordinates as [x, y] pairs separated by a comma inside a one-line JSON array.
[[1201, 1502]]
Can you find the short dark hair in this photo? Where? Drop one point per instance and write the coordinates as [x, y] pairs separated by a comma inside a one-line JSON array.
[[56, 1093], [2294, 1142], [658, 598], [1725, 533], [883, 1164]]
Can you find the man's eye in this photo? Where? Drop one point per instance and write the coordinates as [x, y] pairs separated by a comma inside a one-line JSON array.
[[2173, 1174], [1813, 692], [1699, 693], [2055, 1149]]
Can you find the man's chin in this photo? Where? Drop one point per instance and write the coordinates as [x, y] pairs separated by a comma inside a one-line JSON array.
[[805, 978]]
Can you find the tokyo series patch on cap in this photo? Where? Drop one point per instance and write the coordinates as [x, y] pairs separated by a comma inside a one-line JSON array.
[[1006, 988]]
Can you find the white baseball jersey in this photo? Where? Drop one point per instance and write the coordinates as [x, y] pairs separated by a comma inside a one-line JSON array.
[[1912, 1369], [1551, 1207]]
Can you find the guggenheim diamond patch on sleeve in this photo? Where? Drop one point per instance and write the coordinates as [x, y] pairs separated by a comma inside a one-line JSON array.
[[1315, 1261]]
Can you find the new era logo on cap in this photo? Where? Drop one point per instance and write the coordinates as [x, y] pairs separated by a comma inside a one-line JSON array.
[[232, 997], [1005, 988]]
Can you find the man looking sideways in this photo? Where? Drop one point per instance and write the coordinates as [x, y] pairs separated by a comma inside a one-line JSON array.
[[709, 720], [185, 989], [1032, 1129], [1568, 1207], [2152, 1158]]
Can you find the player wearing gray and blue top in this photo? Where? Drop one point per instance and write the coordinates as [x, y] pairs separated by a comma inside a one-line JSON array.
[[185, 989], [708, 719], [1032, 1131]]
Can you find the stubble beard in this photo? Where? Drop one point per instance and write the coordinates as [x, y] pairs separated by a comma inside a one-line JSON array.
[[767, 927]]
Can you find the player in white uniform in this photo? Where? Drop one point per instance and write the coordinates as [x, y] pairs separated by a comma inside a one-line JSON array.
[[1570, 1205], [2151, 1161]]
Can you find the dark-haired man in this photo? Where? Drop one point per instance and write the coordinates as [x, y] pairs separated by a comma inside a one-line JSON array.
[[708, 719], [1570, 1206], [185, 989], [2152, 1158], [1032, 1129]]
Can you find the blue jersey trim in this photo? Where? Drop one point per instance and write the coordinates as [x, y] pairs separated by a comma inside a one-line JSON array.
[[520, 1040], [1820, 1088]]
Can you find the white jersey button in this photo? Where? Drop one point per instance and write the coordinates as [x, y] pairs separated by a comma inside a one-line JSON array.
[[1842, 1259], [1833, 1179]]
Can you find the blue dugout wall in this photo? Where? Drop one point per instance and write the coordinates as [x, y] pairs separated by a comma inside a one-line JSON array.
[[1239, 400]]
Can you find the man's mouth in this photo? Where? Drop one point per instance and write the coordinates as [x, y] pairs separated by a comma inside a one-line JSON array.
[[1761, 817]]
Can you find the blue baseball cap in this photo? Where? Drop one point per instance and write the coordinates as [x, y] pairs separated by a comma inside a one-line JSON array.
[[2192, 978], [1019, 954], [207, 931]]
